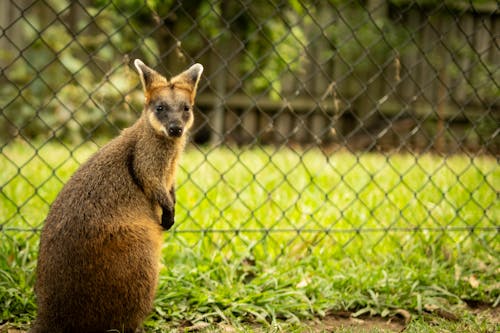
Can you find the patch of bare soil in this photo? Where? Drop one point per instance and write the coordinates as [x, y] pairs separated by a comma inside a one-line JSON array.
[[336, 321], [491, 314]]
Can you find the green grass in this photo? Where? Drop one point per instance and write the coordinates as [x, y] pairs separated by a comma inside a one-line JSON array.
[[269, 240]]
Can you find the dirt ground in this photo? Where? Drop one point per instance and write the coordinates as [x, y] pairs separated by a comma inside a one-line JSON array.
[[332, 323], [338, 321]]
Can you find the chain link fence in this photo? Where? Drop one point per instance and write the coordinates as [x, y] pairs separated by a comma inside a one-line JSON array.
[[362, 124]]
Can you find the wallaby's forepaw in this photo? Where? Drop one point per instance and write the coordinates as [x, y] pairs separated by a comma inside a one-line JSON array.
[[168, 218], [168, 215]]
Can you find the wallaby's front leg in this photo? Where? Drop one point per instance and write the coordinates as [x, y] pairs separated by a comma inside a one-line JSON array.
[[158, 196], [168, 213]]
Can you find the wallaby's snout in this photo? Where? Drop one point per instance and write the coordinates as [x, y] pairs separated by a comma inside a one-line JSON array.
[[175, 130], [178, 119]]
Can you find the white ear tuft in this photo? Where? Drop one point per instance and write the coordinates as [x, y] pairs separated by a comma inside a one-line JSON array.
[[146, 74], [195, 73], [138, 64], [198, 68]]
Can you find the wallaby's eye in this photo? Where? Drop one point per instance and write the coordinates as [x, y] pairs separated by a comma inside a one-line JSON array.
[[187, 108], [159, 108]]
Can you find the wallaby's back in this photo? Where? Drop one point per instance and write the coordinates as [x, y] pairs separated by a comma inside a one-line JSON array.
[[100, 245]]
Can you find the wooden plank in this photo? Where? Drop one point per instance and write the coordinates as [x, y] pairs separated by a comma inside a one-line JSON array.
[[482, 40], [231, 126], [494, 56], [410, 59], [233, 59], [300, 128], [319, 128], [265, 104], [442, 94], [321, 72], [424, 110], [466, 31], [345, 81], [249, 125], [265, 132], [5, 45], [282, 126], [378, 10], [332, 94], [428, 69], [389, 107], [216, 116]]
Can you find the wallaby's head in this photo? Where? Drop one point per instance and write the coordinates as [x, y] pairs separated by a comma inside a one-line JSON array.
[[169, 103]]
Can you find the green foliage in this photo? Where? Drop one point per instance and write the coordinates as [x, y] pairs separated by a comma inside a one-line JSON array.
[[285, 278], [17, 261], [72, 79], [365, 42], [67, 87]]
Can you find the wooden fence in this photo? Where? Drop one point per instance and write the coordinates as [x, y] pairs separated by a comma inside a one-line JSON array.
[[370, 74], [437, 88]]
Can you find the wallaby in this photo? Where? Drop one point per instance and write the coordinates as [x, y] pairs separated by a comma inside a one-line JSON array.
[[99, 254]]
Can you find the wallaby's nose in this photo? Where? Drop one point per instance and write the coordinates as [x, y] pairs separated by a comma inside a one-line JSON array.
[[175, 130]]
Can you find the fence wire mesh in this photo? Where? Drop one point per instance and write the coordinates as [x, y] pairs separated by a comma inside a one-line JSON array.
[[319, 124]]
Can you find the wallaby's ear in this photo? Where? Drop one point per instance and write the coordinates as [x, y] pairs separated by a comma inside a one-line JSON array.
[[189, 77], [193, 74], [149, 77]]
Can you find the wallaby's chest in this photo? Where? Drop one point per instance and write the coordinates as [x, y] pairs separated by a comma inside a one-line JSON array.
[[170, 169]]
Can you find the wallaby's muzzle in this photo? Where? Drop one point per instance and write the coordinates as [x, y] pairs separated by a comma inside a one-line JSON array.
[[175, 130]]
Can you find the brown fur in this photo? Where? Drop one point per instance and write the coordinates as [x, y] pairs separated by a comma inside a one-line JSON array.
[[100, 246]]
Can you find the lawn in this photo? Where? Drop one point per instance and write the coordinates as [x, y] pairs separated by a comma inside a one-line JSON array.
[[286, 240]]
